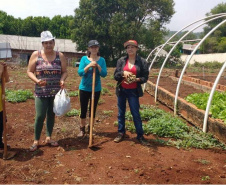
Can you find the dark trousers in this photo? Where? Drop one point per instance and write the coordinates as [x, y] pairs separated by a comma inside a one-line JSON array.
[[85, 98]]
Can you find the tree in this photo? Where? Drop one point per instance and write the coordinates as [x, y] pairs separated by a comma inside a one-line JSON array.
[[112, 22], [216, 41]]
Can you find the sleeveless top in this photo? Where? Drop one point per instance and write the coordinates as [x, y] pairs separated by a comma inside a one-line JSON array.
[[51, 73]]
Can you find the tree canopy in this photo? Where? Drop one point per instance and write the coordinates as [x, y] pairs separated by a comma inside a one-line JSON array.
[[112, 22], [216, 43], [33, 26]]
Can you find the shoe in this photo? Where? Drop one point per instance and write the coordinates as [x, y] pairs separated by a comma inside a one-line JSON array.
[[82, 132], [143, 141], [119, 138], [52, 143], [33, 147]]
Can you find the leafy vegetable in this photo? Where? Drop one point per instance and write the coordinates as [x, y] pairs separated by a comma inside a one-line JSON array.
[[218, 104]]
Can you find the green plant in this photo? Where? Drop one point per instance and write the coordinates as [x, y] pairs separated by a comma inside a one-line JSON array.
[[205, 178], [104, 91], [108, 112], [73, 112], [110, 84], [101, 101], [218, 104], [73, 93], [163, 124], [16, 96], [202, 161]]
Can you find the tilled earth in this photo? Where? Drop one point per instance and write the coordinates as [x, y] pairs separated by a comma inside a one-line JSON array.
[[73, 162]]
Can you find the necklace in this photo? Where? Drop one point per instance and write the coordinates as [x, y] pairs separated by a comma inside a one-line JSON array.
[[131, 63]]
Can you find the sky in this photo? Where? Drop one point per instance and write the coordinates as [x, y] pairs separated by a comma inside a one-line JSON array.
[[187, 11]]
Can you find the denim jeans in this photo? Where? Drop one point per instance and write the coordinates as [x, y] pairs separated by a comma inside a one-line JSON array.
[[133, 99]]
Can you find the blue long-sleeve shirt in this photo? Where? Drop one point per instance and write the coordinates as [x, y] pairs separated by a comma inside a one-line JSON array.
[[87, 78]]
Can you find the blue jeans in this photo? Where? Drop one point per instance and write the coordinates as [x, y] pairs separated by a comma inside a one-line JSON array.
[[133, 99]]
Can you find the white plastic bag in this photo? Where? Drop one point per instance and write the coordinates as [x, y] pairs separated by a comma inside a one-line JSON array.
[[62, 103]]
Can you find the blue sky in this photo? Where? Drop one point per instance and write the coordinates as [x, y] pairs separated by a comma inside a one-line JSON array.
[[187, 11]]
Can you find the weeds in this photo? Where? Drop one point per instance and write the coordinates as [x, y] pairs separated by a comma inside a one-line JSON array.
[[16, 96], [73, 93], [104, 91], [165, 125], [108, 112], [73, 112]]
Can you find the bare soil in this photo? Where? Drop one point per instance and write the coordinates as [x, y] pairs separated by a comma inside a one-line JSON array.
[[126, 162]]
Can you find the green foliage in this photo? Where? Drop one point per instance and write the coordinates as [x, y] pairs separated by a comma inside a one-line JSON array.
[[110, 84], [166, 125], [112, 22], [73, 112], [172, 62], [16, 96], [73, 93], [218, 104], [216, 43], [210, 65], [108, 112], [101, 101], [104, 91], [33, 26]]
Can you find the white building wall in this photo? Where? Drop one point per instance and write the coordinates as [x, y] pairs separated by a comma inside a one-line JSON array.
[[202, 58]]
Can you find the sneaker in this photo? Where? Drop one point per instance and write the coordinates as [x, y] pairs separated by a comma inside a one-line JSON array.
[[119, 138], [143, 141]]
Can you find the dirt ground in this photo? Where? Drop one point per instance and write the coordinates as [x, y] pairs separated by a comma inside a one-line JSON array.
[[73, 162]]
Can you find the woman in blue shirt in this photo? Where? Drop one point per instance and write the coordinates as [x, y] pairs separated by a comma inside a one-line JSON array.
[[85, 70]]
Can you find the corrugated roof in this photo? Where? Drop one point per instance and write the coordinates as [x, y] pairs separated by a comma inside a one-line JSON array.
[[34, 43]]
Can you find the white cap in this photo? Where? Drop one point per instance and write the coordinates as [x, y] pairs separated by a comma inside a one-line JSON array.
[[46, 36]]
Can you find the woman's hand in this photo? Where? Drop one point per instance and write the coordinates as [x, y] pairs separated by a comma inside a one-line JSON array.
[[93, 64], [127, 74], [41, 82], [61, 84]]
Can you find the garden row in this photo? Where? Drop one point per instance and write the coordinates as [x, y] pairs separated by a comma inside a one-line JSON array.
[[187, 110]]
